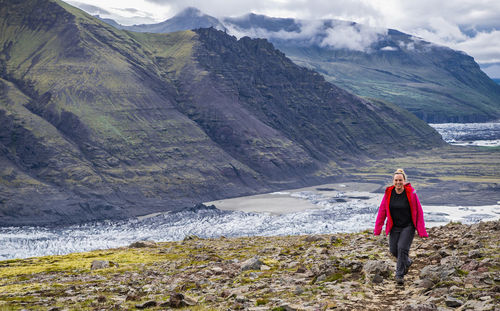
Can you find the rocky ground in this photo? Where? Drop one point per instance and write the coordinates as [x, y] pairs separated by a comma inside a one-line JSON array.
[[456, 268]]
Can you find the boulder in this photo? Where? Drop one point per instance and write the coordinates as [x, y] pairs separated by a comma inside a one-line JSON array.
[[178, 300], [99, 264], [453, 302], [425, 283], [372, 267], [437, 273], [142, 244], [475, 253], [453, 261], [470, 266], [420, 307], [253, 263], [313, 238], [147, 304]]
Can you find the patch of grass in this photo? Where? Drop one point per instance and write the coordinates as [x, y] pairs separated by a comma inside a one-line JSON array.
[[261, 301]]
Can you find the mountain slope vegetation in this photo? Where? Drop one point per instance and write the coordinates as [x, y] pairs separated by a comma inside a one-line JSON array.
[[98, 122]]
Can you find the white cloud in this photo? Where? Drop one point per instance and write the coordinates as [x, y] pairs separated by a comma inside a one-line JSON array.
[[389, 48], [485, 47], [342, 35], [353, 37]]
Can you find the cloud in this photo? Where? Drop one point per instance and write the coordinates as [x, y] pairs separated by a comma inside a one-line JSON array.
[[91, 9], [334, 34], [389, 48], [481, 47], [353, 37]]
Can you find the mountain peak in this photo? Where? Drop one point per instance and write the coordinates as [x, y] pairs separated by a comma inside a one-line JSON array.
[[190, 12]]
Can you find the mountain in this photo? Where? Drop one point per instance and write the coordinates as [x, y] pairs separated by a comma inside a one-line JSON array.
[[435, 83], [189, 18], [99, 123]]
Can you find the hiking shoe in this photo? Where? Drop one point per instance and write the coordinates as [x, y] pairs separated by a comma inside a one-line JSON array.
[[399, 280], [408, 266]]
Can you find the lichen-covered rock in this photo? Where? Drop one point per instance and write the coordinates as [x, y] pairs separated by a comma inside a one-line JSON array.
[[381, 268], [437, 273], [253, 263], [453, 302], [99, 264], [420, 307], [142, 244]]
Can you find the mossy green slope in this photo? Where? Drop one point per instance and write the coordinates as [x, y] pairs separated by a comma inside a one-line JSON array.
[[101, 94]]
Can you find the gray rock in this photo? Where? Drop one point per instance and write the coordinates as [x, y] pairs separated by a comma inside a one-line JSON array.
[[470, 266], [420, 307], [437, 273], [372, 267], [142, 244], [475, 253], [251, 264], [99, 264], [453, 302], [178, 300], [478, 306], [444, 252], [240, 299], [313, 238], [377, 278], [291, 307], [425, 283], [321, 278], [147, 304], [452, 261], [298, 290]]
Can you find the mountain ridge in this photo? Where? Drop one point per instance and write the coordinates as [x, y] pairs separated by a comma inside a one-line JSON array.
[[435, 83]]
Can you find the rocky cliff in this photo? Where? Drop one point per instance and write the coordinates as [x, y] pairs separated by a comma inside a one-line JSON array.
[[456, 268], [99, 123]]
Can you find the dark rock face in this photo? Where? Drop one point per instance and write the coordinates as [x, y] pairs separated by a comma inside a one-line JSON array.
[[100, 123], [321, 119]]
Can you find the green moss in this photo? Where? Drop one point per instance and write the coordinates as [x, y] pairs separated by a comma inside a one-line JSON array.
[[261, 301], [461, 272]]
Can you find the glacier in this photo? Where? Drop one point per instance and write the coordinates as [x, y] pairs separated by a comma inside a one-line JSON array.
[[327, 212]]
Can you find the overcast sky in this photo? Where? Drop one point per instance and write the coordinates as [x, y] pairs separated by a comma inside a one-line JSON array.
[[472, 26]]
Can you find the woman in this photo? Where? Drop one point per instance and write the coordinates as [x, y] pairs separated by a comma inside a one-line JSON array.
[[404, 214]]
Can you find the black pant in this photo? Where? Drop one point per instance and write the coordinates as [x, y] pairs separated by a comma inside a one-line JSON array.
[[399, 245]]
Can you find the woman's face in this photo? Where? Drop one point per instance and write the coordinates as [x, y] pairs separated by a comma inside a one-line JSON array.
[[398, 181]]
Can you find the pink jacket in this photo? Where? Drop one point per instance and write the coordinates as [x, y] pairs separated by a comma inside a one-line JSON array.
[[417, 214]]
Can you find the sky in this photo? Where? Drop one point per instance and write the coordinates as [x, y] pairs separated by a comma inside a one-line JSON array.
[[472, 26]]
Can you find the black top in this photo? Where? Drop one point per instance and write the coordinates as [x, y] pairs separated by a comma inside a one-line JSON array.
[[400, 209]]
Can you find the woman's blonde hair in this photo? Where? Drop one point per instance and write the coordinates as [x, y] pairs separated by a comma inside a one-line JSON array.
[[402, 172]]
